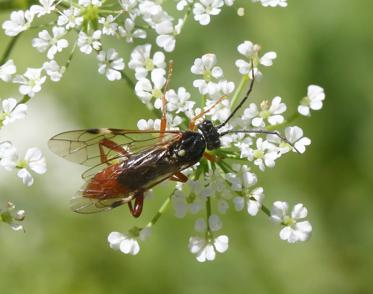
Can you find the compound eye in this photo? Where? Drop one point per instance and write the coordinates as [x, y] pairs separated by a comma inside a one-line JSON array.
[[181, 153]]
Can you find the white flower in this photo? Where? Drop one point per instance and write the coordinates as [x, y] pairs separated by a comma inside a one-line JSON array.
[[270, 112], [110, 64], [109, 26], [205, 66], [19, 21], [88, 43], [220, 112], [7, 155], [130, 6], [272, 3], [128, 243], [46, 7], [128, 31], [193, 202], [293, 135], [70, 18], [142, 63], [149, 124], [295, 230], [11, 111], [215, 224], [265, 154], [166, 34], [146, 89], [86, 3], [313, 100], [251, 52], [179, 102], [33, 160], [52, 44], [205, 249], [253, 199], [53, 70], [7, 70], [242, 178], [204, 8], [11, 216], [30, 82], [182, 4]]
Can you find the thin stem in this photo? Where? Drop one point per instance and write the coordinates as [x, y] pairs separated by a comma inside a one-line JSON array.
[[9, 49], [160, 211], [241, 87], [25, 99], [128, 80], [266, 210]]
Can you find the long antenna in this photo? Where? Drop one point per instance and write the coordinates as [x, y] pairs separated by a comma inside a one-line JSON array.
[[243, 100], [260, 131]]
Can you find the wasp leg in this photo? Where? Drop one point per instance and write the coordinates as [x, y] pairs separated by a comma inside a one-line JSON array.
[[164, 101], [112, 146], [139, 201], [210, 157], [192, 123], [179, 177]]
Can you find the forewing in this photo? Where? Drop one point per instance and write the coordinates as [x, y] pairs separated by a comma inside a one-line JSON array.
[[83, 146]]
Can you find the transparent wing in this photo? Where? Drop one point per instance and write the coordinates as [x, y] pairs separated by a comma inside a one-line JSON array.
[[86, 205], [94, 146]]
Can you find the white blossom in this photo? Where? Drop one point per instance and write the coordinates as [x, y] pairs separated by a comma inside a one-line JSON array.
[[129, 32], [86, 3], [313, 100], [11, 111], [180, 101], [206, 67], [295, 228], [251, 51], [53, 43], [205, 249], [110, 64], [128, 243], [70, 18], [54, 70], [31, 81], [147, 89], [271, 112], [272, 3], [7, 70], [109, 26], [203, 9], [88, 43], [142, 63], [19, 21], [46, 7]]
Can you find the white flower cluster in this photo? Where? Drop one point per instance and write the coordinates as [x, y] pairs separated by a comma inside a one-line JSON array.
[[12, 217], [229, 181], [11, 111]]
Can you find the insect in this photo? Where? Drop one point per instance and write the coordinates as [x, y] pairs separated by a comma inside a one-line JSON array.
[[124, 164]]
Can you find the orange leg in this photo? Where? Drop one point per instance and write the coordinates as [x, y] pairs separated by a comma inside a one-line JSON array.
[[164, 101], [210, 157], [179, 177], [112, 146], [139, 201], [192, 124]]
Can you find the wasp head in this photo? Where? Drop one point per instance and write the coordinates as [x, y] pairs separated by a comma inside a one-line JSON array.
[[211, 135]]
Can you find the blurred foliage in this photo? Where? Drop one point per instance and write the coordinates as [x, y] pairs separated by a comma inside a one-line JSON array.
[[323, 42]]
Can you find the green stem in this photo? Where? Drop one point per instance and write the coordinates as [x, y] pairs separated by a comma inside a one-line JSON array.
[[9, 49], [266, 210], [241, 87], [128, 80], [160, 211], [25, 99]]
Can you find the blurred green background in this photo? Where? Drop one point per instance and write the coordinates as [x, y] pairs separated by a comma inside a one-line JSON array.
[[329, 43]]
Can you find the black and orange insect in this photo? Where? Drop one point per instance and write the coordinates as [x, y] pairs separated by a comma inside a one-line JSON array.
[[126, 163]]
